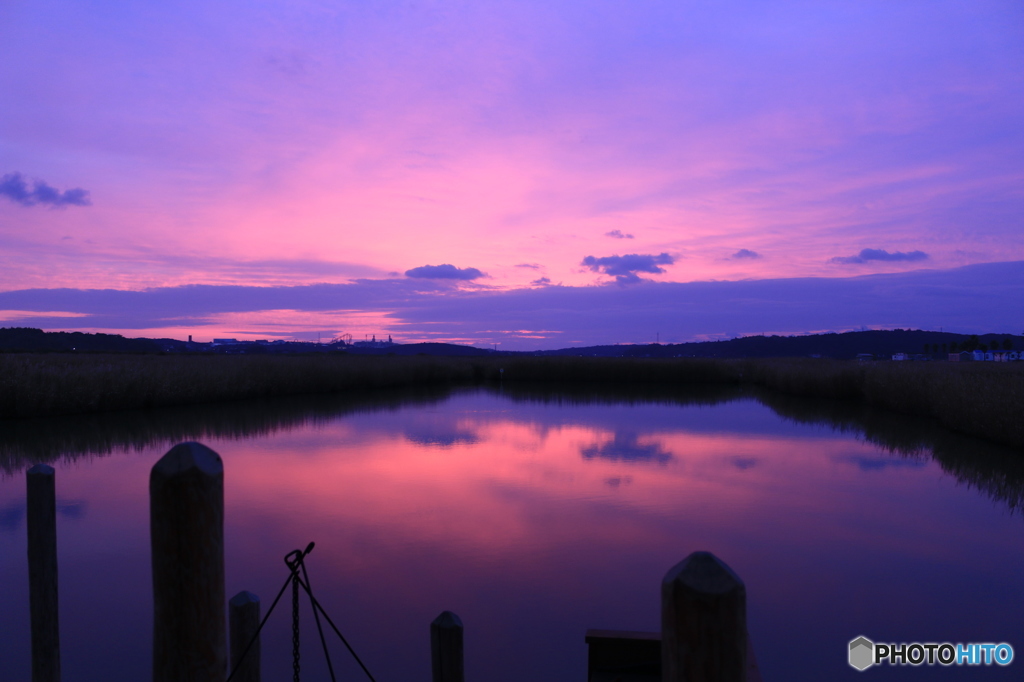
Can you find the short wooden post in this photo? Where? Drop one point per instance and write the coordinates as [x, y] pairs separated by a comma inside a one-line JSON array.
[[446, 648], [42, 573], [703, 622], [244, 622], [186, 516]]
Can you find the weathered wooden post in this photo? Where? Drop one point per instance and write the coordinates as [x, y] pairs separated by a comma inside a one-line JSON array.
[[186, 517], [703, 622], [244, 622], [446, 648], [42, 573]]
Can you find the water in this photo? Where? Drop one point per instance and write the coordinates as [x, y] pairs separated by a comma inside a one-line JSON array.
[[535, 516]]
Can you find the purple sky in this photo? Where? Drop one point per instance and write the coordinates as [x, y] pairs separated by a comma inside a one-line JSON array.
[[532, 174]]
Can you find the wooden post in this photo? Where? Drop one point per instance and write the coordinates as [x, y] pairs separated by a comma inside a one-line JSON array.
[[703, 622], [186, 522], [42, 573], [244, 620], [446, 648]]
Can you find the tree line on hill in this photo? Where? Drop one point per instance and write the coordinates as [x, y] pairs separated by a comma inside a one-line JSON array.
[[877, 343]]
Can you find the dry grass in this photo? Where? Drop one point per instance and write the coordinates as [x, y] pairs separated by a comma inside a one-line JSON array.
[[43, 385], [980, 399]]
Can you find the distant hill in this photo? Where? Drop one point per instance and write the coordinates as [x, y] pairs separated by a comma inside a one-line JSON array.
[[420, 349], [36, 340], [28, 339], [882, 344]]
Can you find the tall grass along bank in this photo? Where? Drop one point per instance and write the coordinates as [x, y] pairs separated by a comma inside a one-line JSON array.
[[981, 399], [42, 385]]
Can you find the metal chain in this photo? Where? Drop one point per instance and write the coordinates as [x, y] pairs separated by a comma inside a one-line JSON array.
[[294, 560], [295, 627]]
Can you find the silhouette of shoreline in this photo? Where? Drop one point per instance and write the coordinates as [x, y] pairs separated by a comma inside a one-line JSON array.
[[996, 471]]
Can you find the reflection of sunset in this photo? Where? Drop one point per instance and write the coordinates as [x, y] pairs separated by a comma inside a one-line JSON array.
[[488, 491], [560, 516]]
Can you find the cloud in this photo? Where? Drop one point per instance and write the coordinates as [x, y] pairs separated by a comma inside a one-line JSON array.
[[618, 234], [445, 271], [966, 300], [543, 281], [14, 187], [624, 268], [745, 253], [880, 254], [532, 266]]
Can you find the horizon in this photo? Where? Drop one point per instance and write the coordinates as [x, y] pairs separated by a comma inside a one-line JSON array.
[[531, 175], [372, 338]]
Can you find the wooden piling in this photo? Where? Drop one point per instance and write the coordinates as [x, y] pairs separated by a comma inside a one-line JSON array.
[[446, 648], [703, 622], [42, 573], [244, 622], [186, 498]]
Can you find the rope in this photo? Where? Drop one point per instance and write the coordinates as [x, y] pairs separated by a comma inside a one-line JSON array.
[[295, 561], [316, 605], [295, 627], [263, 622], [319, 629]]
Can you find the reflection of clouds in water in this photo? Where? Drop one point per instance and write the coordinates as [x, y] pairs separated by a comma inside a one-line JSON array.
[[441, 437], [72, 510], [624, 447], [744, 463], [13, 514], [616, 481], [878, 463]]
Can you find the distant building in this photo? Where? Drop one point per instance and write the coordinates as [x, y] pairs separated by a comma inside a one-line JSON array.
[[224, 342], [962, 356], [374, 343], [899, 356], [978, 356], [865, 357]]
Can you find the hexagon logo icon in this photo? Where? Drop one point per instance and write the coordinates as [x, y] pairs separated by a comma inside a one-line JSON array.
[[862, 653]]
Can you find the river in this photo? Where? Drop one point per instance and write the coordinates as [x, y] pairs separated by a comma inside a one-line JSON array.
[[535, 515]]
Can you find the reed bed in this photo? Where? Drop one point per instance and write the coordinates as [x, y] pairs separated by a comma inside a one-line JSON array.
[[980, 399], [46, 385]]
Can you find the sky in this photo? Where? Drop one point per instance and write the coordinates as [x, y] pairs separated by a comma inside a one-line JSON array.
[[511, 174]]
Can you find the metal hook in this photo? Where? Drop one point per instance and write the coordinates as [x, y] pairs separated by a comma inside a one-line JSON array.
[[299, 556]]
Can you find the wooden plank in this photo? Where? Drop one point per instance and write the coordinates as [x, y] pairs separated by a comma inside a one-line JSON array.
[[244, 623], [186, 497], [623, 655], [446, 648], [596, 635], [703, 622], [42, 573], [625, 669]]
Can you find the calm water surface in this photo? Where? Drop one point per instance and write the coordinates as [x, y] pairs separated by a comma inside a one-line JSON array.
[[535, 517]]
